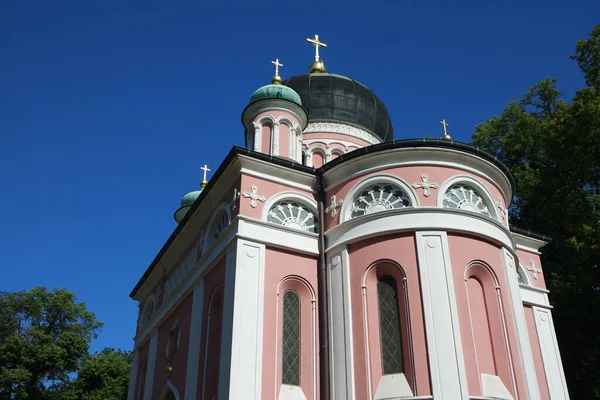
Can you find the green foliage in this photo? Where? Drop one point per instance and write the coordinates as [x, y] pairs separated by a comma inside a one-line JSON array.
[[553, 149], [44, 337], [104, 376]]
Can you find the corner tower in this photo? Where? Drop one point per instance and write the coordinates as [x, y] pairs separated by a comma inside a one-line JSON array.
[[274, 120]]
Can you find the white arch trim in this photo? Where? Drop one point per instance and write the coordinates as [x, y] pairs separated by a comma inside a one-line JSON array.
[[169, 387], [522, 272], [384, 178], [489, 200], [288, 196], [208, 240], [151, 297]]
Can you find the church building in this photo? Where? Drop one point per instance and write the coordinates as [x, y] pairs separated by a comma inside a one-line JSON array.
[[326, 260]]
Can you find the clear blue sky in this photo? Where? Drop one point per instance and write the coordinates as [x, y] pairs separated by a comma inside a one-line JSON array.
[[109, 108]]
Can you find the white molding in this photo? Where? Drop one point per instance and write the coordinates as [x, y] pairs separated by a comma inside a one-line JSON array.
[[419, 156], [265, 105], [290, 392], [302, 198], [384, 178], [278, 236], [413, 219], [525, 350], [151, 365], [446, 360], [328, 142], [193, 358], [484, 192], [527, 243], [169, 387], [555, 376], [342, 129], [534, 296], [340, 320], [244, 306], [393, 386], [281, 181], [133, 375], [229, 297]]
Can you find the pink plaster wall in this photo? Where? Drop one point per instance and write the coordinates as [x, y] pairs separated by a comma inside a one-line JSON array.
[[265, 138], [401, 250], [289, 271], [497, 316], [411, 175], [265, 188], [336, 136], [210, 340], [264, 118], [525, 257], [284, 140], [318, 158], [141, 371], [540, 371]]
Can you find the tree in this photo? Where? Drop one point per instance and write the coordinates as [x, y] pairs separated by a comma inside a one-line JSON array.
[[104, 376], [44, 337], [553, 149]]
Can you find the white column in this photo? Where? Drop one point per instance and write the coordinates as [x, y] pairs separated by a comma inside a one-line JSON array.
[[193, 359], [275, 142], [133, 375], [340, 323], [257, 136], [151, 365], [555, 375], [446, 360], [243, 309], [533, 389]]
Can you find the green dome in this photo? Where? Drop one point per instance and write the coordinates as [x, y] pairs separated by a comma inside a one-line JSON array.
[[190, 198], [276, 92]]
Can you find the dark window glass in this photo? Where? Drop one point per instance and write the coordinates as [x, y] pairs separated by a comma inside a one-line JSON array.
[[291, 339], [389, 326]]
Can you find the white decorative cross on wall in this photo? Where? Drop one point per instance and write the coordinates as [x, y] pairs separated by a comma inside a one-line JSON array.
[[532, 268], [503, 211], [334, 204], [254, 196], [425, 185]]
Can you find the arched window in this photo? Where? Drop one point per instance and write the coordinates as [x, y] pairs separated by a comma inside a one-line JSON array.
[[379, 197], [218, 225], [148, 311], [294, 215], [290, 373], [389, 326], [463, 196]]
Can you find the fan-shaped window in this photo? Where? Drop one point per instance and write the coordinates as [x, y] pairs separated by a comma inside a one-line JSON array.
[[290, 373], [219, 224], [293, 215], [379, 197], [148, 312], [389, 326], [464, 197]]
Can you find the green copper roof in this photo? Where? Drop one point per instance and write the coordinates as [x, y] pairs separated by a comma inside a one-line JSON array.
[[190, 198], [276, 92]]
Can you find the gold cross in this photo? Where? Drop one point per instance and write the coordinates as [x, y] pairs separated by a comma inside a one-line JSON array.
[[205, 169], [277, 64], [444, 124], [316, 42]]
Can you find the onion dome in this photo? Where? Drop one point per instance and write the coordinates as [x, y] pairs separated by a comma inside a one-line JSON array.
[[335, 98], [189, 199], [276, 91]]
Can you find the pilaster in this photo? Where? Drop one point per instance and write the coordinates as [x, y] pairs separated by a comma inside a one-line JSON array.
[[151, 366], [191, 377]]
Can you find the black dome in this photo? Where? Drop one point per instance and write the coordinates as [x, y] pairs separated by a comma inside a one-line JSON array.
[[336, 98]]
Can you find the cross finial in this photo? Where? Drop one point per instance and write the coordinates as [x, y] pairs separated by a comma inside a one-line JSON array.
[[445, 125], [277, 64], [316, 43], [204, 181]]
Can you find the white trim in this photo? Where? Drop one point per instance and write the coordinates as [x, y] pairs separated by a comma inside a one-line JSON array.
[[328, 142], [193, 358], [384, 178], [534, 296], [341, 129], [208, 240], [484, 192], [295, 196], [133, 375], [151, 365], [528, 243], [275, 139], [446, 360], [525, 276], [141, 323], [340, 333], [278, 236], [169, 387], [555, 376], [244, 306], [526, 353], [412, 219]]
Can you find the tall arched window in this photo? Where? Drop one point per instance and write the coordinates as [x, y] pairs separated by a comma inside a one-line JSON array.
[[389, 326], [290, 373]]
